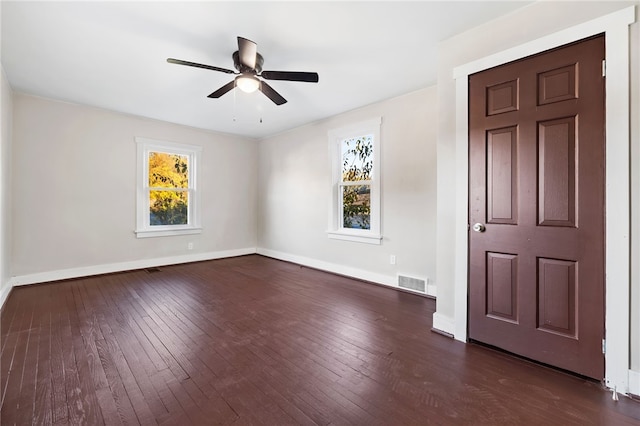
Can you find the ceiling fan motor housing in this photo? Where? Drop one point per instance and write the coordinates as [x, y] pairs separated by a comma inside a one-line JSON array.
[[243, 68]]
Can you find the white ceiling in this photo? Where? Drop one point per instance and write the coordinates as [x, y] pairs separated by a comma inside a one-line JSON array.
[[113, 55]]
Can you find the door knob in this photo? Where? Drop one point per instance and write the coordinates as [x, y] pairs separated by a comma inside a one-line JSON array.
[[478, 227]]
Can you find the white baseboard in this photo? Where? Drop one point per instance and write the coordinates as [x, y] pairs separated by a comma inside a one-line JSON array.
[[64, 274], [634, 382], [361, 274], [444, 324], [330, 267], [5, 293]]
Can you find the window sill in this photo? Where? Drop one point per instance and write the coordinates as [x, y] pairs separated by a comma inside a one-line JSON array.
[[150, 233], [358, 238]]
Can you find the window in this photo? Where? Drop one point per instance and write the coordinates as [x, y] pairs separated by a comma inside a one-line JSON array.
[[355, 195], [167, 199]]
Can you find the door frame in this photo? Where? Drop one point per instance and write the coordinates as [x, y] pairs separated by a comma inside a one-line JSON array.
[[615, 26]]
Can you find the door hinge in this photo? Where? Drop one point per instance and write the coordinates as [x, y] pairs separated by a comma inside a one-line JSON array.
[[604, 346], [604, 68]]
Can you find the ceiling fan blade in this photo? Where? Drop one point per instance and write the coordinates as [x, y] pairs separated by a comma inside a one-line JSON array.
[[309, 77], [224, 89], [193, 64], [272, 94], [248, 52]]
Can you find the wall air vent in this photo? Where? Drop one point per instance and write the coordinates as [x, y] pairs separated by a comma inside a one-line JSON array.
[[415, 284]]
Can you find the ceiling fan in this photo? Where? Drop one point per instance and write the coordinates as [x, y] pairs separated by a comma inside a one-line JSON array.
[[248, 63]]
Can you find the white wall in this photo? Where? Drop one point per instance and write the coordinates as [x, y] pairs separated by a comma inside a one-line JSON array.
[[6, 109], [635, 200], [504, 33], [74, 192], [295, 183]]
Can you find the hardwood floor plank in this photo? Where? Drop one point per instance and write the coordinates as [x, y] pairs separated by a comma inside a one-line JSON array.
[[159, 335], [58, 388], [166, 396], [89, 331], [8, 317], [141, 369], [124, 407], [43, 409], [26, 403], [14, 345], [123, 366], [161, 348], [11, 405], [192, 414], [89, 304], [296, 414], [143, 342], [83, 407], [314, 404], [326, 383], [211, 403]]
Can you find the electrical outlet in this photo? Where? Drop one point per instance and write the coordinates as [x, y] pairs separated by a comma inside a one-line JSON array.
[[392, 259], [190, 246]]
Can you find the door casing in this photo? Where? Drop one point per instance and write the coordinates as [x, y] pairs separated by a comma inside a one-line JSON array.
[[615, 26]]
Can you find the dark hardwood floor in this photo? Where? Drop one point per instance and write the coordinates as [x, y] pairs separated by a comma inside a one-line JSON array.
[[251, 340]]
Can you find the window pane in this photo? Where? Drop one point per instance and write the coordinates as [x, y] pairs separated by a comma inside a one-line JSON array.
[[356, 206], [168, 208], [357, 158], [168, 170]]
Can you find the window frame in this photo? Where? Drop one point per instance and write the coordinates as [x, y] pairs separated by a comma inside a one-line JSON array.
[[336, 228], [144, 229]]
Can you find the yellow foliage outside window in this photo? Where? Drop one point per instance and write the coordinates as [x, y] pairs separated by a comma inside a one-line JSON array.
[[169, 185]]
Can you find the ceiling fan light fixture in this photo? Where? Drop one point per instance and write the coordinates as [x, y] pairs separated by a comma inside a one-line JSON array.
[[247, 83]]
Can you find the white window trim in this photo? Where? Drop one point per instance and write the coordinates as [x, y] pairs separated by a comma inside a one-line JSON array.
[[143, 227], [336, 136]]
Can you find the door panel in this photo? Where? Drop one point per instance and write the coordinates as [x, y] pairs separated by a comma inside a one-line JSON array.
[[557, 296], [502, 174], [536, 181], [502, 98], [557, 172], [502, 288], [557, 85]]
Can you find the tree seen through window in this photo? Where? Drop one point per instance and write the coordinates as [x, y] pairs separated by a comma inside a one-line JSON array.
[[168, 189], [357, 165]]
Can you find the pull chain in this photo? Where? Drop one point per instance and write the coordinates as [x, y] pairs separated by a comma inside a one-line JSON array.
[[234, 102]]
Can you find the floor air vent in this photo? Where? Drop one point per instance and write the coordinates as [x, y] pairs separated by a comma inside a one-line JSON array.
[[410, 283], [150, 270]]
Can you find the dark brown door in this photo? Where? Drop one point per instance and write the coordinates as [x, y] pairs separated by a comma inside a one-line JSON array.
[[536, 185]]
